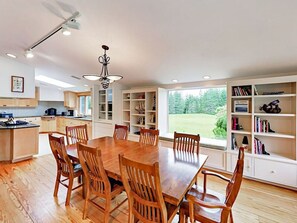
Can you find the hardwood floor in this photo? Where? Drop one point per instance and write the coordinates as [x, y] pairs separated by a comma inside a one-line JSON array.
[[26, 195]]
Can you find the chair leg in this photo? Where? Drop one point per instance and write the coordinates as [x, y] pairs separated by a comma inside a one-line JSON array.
[[79, 179], [70, 184], [231, 217], [107, 210], [131, 217], [181, 216], [58, 178], [86, 203]]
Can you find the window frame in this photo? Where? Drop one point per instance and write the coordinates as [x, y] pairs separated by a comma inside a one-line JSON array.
[[84, 95]]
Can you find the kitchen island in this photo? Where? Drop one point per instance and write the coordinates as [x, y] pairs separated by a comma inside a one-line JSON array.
[[18, 142]]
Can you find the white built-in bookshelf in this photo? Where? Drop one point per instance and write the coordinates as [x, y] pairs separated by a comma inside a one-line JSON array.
[[141, 109], [271, 134]]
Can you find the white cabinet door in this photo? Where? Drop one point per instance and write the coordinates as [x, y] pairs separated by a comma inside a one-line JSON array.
[[102, 129], [277, 172], [216, 158], [248, 167]]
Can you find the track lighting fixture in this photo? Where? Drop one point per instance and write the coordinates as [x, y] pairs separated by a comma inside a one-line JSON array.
[[64, 26], [29, 54]]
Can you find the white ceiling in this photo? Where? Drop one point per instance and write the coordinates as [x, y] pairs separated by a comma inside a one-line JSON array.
[[153, 42]]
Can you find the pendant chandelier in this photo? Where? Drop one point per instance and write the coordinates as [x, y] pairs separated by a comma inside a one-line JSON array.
[[104, 76]]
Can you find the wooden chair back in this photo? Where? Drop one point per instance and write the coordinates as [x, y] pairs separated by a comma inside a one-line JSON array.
[[75, 134], [149, 136], [143, 187], [63, 161], [186, 142], [120, 132], [94, 172], [235, 182]]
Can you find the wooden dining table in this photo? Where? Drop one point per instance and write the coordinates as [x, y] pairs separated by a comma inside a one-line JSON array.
[[178, 170]]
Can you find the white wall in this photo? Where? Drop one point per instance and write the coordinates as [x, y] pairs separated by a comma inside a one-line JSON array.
[[8, 68], [50, 94]]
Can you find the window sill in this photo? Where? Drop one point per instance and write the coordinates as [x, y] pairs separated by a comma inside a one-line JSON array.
[[206, 143]]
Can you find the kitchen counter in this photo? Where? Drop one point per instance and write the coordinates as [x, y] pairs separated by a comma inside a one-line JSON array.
[[19, 126], [78, 118], [18, 142]]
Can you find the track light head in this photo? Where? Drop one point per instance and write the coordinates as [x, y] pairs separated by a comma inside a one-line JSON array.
[[29, 54], [65, 30], [73, 24]]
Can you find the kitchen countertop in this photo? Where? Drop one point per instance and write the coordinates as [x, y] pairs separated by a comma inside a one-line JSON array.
[[19, 126], [72, 117]]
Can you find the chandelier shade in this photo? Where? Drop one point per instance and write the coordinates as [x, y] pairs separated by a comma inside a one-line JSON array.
[[104, 76]]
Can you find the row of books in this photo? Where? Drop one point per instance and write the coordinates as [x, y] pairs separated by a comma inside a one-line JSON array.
[[235, 123], [242, 91], [258, 147], [261, 125]]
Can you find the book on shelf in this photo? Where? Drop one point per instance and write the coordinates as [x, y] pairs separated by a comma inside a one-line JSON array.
[[261, 125], [256, 91], [234, 143], [242, 91]]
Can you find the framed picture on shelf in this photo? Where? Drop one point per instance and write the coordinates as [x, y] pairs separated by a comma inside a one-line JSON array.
[[17, 84], [241, 106]]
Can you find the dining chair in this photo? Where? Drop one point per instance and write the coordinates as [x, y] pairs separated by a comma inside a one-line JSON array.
[[143, 188], [186, 142], [97, 181], [120, 132], [76, 134], [209, 206], [149, 136], [65, 167]]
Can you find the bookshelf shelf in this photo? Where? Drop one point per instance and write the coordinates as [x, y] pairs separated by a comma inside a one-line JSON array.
[[241, 113], [241, 132], [278, 135], [274, 115], [241, 97], [275, 96]]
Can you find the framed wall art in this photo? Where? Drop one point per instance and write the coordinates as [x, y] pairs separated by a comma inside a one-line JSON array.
[[17, 84]]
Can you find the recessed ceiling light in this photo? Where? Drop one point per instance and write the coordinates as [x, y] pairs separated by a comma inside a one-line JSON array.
[[11, 55], [29, 54], [206, 77], [53, 81], [174, 80], [86, 85]]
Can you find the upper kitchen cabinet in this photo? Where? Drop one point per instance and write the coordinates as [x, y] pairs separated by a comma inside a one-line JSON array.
[[12, 68], [70, 99], [21, 102]]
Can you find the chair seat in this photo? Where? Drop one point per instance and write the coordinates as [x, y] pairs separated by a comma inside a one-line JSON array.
[[201, 213]]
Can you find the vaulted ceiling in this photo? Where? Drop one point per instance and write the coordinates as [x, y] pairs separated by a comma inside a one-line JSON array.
[[153, 42]]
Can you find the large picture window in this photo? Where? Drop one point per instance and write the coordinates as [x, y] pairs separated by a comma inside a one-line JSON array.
[[199, 111]]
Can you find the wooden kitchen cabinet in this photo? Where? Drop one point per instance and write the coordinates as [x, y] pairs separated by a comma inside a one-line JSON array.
[[70, 99], [8, 102], [62, 122], [21, 102], [48, 124]]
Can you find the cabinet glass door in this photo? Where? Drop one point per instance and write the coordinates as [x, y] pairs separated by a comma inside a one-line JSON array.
[[109, 104], [102, 104], [105, 104]]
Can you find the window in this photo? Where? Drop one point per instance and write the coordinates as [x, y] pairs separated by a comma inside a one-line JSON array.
[[199, 111], [85, 105]]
